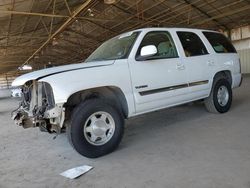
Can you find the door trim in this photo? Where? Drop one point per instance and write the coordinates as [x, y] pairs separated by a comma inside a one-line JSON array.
[[164, 89]]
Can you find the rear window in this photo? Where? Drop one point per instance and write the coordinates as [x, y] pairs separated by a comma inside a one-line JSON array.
[[219, 42]]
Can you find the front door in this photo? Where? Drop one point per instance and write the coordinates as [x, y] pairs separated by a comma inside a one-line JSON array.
[[161, 80]]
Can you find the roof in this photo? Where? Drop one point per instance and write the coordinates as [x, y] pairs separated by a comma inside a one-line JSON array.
[[173, 29], [57, 32]]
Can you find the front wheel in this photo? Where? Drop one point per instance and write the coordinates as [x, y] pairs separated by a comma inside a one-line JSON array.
[[220, 98], [96, 128]]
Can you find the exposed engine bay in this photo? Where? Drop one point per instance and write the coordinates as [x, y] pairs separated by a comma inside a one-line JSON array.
[[38, 109]]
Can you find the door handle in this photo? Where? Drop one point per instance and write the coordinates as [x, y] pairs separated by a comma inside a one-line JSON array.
[[210, 63], [180, 66]]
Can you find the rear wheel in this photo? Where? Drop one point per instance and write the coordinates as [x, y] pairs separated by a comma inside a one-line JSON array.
[[96, 128], [220, 98]]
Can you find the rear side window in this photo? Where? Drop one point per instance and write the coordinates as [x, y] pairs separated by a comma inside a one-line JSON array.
[[192, 44], [219, 42]]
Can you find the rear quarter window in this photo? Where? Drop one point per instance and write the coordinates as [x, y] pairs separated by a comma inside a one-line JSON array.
[[219, 42]]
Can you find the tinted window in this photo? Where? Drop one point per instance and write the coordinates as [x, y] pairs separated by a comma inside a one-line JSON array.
[[219, 42], [192, 44], [162, 41]]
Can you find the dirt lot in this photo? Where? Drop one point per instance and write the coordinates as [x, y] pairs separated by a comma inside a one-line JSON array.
[[182, 147]]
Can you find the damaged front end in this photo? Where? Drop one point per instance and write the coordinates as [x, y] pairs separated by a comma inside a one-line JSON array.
[[38, 108]]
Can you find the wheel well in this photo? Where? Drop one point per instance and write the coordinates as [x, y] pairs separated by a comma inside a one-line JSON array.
[[112, 95], [226, 74]]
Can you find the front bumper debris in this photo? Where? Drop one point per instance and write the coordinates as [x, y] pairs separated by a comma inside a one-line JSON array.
[[21, 118], [38, 108]]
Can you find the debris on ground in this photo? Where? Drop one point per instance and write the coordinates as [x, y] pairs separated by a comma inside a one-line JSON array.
[[76, 172]]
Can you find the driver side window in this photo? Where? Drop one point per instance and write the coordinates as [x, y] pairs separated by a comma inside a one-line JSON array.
[[162, 41]]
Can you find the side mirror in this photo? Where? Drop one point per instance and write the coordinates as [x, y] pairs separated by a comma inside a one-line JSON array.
[[148, 51]]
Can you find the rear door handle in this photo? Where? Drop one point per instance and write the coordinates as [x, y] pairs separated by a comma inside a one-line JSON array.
[[180, 66], [210, 63]]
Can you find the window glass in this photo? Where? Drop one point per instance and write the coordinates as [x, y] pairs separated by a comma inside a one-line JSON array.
[[219, 42], [162, 41], [192, 44], [116, 48]]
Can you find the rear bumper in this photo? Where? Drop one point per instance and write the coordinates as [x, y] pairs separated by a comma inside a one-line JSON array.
[[237, 80]]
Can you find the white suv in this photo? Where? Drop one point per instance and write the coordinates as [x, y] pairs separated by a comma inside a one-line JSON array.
[[131, 74]]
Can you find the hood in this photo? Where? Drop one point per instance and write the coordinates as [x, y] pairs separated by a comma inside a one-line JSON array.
[[36, 75]]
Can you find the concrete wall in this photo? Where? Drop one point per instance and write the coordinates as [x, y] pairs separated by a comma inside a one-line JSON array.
[[245, 60], [5, 86], [5, 81], [241, 41]]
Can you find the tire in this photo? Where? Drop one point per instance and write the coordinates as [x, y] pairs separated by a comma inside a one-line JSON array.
[[96, 128], [216, 104]]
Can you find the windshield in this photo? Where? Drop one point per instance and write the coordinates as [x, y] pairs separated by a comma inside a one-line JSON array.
[[116, 48]]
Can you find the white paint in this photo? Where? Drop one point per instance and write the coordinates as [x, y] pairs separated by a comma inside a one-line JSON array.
[[128, 75], [36, 74], [149, 50]]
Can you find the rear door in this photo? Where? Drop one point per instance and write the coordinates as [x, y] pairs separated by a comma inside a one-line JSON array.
[[199, 63], [225, 53]]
